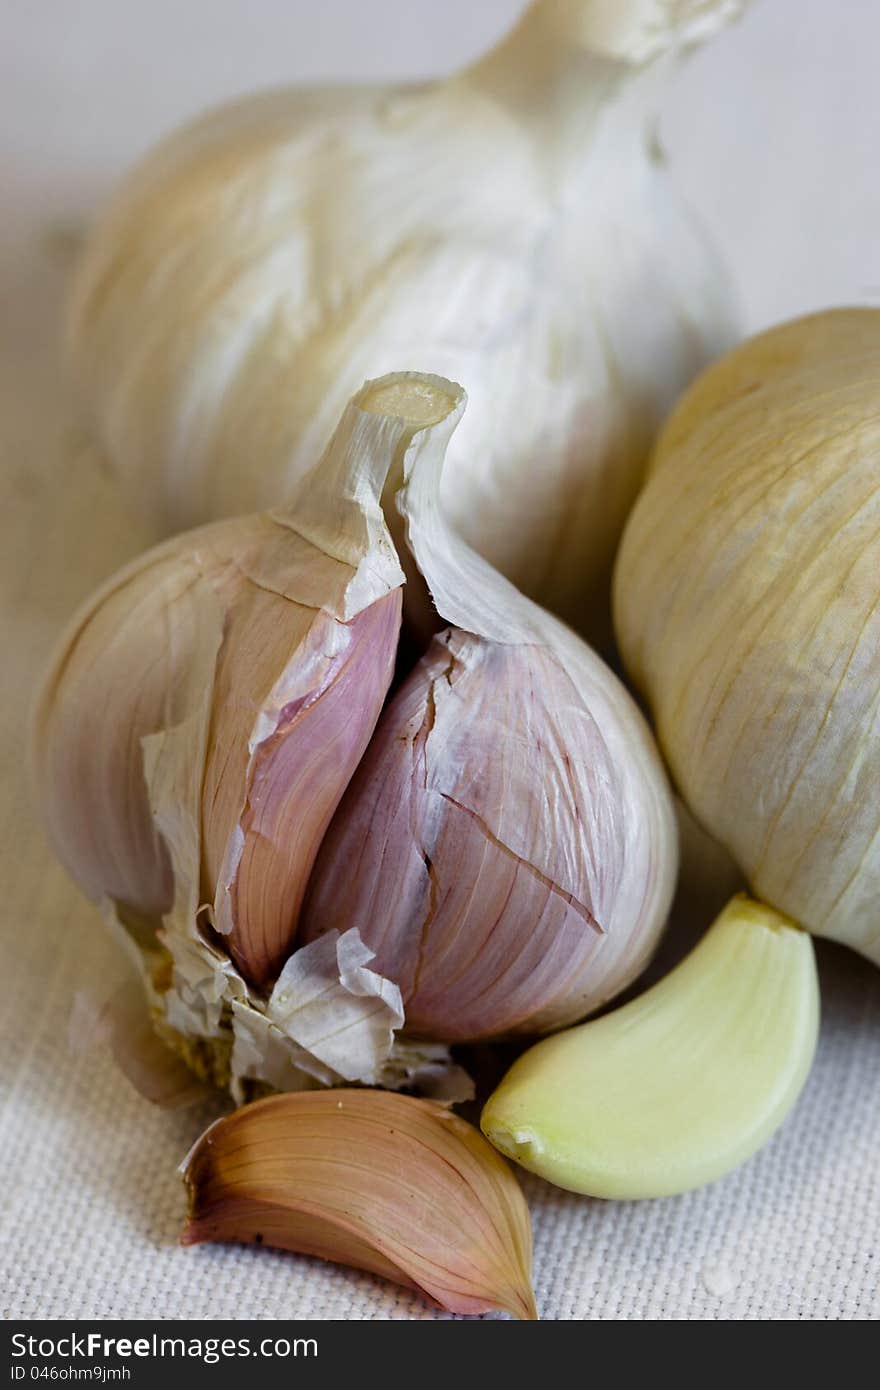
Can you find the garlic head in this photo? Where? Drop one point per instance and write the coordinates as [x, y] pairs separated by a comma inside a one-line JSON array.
[[506, 227], [748, 612]]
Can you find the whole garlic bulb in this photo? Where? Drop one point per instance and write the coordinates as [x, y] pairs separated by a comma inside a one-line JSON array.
[[509, 227], [206, 711], [748, 611]]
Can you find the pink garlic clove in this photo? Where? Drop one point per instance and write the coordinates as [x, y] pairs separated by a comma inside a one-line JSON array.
[[265, 811], [387, 1183], [480, 850]]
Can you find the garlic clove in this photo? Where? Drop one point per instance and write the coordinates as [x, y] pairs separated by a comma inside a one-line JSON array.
[[477, 849], [678, 1087], [269, 794], [387, 1183], [123, 670]]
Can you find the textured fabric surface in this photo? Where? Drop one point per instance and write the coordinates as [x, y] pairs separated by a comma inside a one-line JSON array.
[[91, 1204]]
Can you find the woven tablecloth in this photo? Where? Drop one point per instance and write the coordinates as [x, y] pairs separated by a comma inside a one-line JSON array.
[[91, 1201]]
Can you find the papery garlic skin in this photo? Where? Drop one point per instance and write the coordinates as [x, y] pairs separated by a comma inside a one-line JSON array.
[[508, 227], [387, 1183], [507, 847], [748, 611]]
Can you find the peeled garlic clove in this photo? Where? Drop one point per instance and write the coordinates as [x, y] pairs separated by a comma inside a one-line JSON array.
[[681, 1085], [507, 845], [268, 258], [397, 1186], [747, 612]]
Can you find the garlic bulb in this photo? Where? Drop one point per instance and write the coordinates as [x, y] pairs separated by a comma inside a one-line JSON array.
[[387, 1183], [206, 711], [511, 227], [747, 610], [507, 845]]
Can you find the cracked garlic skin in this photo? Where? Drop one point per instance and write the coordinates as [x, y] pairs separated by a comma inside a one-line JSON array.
[[390, 1184], [509, 227], [682, 1084], [748, 612]]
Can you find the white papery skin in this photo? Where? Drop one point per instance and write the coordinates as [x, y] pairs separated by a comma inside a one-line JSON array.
[[509, 227], [507, 847], [748, 611]]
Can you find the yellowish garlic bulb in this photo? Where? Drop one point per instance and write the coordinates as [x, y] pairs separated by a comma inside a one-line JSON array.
[[748, 612], [509, 227]]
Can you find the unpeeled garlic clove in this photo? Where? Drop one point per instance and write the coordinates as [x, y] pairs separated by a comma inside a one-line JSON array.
[[268, 798], [478, 849], [681, 1085], [386, 1183]]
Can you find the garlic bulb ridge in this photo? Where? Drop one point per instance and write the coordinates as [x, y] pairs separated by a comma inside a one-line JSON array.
[[263, 262]]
